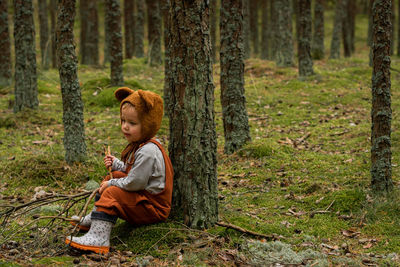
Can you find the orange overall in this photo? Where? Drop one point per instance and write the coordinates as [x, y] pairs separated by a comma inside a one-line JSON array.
[[138, 207]]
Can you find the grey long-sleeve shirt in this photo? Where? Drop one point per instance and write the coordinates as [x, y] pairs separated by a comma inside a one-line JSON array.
[[147, 172]]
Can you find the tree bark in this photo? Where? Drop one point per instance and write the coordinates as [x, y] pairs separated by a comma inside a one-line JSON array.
[[154, 32], [193, 146], [83, 13], [246, 29], [129, 27], [213, 29], [346, 28], [318, 47], [284, 53], [254, 26], [139, 31], [233, 101], [26, 93], [44, 34], [381, 114], [5, 46], [265, 30], [304, 42], [274, 28], [74, 132], [92, 41], [115, 41], [53, 12], [337, 29], [107, 37]]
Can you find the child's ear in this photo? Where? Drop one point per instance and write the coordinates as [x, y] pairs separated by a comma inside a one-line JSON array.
[[148, 98], [122, 93]]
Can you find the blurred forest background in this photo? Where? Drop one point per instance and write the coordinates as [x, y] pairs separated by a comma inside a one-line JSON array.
[[267, 102]]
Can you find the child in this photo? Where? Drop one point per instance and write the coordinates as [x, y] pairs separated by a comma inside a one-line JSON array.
[[141, 189]]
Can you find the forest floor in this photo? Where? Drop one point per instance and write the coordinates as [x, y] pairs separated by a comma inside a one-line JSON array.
[[303, 180]]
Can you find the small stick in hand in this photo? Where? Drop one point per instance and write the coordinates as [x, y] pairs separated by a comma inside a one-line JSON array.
[[107, 153]]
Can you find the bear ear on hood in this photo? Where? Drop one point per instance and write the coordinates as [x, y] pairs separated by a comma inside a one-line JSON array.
[[123, 93], [148, 98]]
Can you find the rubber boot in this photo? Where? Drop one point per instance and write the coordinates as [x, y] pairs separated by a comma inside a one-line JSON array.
[[96, 240]]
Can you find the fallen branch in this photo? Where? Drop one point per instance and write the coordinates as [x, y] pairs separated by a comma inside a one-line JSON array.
[[237, 228]]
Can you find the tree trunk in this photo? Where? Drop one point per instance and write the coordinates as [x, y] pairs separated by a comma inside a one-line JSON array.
[[304, 42], [369, 38], [115, 39], [381, 114], [398, 31], [107, 37], [74, 132], [129, 27], [26, 93], [254, 26], [44, 34], [83, 13], [274, 28], [284, 53], [165, 5], [154, 32], [346, 29], [92, 41], [337, 29], [295, 5], [233, 101], [139, 31], [246, 29], [193, 141], [318, 47], [265, 30], [352, 5], [393, 18], [5, 46], [213, 29], [53, 12]]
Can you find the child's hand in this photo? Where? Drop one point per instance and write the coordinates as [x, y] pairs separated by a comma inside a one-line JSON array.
[[108, 161], [103, 187]]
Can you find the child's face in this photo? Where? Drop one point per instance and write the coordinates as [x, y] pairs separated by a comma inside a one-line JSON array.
[[130, 123]]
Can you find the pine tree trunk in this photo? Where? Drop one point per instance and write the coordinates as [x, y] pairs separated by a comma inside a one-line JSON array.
[[393, 17], [165, 5], [233, 101], [346, 29], [193, 145], [369, 38], [26, 93], [353, 12], [318, 47], [128, 27], [213, 29], [398, 31], [246, 29], [139, 29], [265, 30], [44, 34], [92, 34], [284, 53], [154, 31], [254, 26], [295, 4], [337, 29], [381, 114], [274, 28], [74, 132], [83, 13], [5, 46], [107, 37], [53, 12], [304, 42], [115, 41]]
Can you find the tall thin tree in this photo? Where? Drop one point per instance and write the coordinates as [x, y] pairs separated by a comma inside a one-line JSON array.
[[44, 34], [254, 6], [346, 28], [26, 93], [89, 43], [115, 41], [233, 101], [154, 31], [337, 29], [381, 114], [304, 42], [246, 29], [284, 52], [139, 28], [318, 47], [265, 30], [128, 27], [193, 146], [53, 12], [213, 28], [5, 46], [74, 131], [165, 5]]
